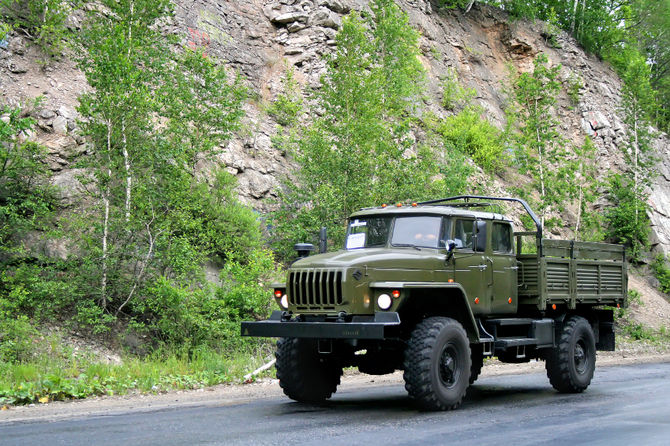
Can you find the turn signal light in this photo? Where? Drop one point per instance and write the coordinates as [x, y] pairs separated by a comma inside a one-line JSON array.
[[383, 206], [509, 301], [553, 307], [450, 281], [476, 300], [399, 205], [413, 205], [278, 294], [396, 293]]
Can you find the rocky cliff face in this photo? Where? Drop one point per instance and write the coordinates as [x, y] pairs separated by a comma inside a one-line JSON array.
[[260, 38]]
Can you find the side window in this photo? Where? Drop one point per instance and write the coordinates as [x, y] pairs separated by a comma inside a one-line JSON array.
[[501, 239], [480, 241], [463, 234]]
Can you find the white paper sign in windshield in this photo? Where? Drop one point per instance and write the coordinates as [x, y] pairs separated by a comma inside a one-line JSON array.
[[355, 241]]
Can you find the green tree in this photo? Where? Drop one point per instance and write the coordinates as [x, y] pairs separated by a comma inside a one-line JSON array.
[[26, 198], [539, 149], [359, 152], [625, 223], [203, 108], [287, 107], [42, 20], [121, 53], [588, 224], [652, 21], [628, 221], [157, 118]]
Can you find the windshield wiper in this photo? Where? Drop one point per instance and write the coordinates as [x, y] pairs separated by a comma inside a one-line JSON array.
[[406, 245]]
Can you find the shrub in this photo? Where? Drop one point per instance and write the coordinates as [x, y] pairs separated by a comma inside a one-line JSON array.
[[662, 272], [473, 135], [454, 95], [627, 221], [16, 338], [287, 107], [43, 19]]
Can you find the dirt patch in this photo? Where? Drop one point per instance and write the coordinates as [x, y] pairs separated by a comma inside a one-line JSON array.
[[654, 310]]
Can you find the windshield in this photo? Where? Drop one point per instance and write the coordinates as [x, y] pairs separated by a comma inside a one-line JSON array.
[[365, 232], [420, 231], [417, 231]]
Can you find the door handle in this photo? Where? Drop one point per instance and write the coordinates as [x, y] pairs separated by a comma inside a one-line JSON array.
[[489, 259]]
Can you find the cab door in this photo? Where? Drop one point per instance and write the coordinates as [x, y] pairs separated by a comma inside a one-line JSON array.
[[504, 297], [470, 263]]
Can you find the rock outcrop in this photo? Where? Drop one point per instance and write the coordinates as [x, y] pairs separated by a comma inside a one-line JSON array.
[[259, 38]]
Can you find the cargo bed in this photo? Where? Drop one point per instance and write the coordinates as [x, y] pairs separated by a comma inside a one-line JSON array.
[[571, 272]]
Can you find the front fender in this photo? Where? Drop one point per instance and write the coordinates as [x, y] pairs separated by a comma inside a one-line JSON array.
[[435, 299]]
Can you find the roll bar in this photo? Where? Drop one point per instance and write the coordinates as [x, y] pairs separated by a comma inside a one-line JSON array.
[[530, 212]]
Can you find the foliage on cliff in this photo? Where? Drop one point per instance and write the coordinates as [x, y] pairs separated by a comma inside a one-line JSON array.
[[159, 209], [359, 151]]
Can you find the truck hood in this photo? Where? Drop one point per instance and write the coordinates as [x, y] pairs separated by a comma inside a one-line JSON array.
[[371, 257]]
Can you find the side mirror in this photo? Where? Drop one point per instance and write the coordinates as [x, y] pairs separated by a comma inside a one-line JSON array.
[[451, 247], [480, 238], [303, 249]]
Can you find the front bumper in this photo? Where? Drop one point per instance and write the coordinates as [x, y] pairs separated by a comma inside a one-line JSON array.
[[384, 326]]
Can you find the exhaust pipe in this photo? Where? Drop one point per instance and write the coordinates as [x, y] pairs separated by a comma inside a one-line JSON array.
[[323, 240]]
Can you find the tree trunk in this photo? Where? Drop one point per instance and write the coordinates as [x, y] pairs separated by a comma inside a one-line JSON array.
[[543, 193], [105, 225], [574, 17], [129, 179], [635, 162]]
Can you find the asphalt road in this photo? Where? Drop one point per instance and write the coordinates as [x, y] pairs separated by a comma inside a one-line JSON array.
[[625, 405]]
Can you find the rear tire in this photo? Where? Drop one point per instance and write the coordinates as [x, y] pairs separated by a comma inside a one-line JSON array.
[[437, 364], [304, 374], [571, 364]]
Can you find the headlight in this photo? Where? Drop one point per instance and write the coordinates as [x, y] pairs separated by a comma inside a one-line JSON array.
[[284, 302], [384, 301]]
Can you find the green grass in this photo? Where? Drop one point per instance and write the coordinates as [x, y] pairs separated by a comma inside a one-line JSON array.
[[59, 374]]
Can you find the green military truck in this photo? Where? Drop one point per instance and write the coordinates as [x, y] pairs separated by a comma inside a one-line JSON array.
[[432, 289]]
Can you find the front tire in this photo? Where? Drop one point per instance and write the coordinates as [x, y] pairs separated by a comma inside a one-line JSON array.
[[437, 364], [571, 364], [304, 374], [477, 358]]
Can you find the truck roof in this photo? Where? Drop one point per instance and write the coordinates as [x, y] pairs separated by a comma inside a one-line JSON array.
[[442, 210]]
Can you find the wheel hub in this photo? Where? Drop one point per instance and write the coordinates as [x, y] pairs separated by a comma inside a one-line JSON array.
[[448, 366], [581, 359]]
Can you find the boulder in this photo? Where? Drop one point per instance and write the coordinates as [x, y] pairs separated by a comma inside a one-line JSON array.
[[326, 18], [69, 188], [46, 113], [67, 112], [254, 184], [289, 17], [60, 125], [338, 6]]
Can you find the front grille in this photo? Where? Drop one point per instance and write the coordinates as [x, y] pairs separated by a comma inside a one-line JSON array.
[[315, 287]]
